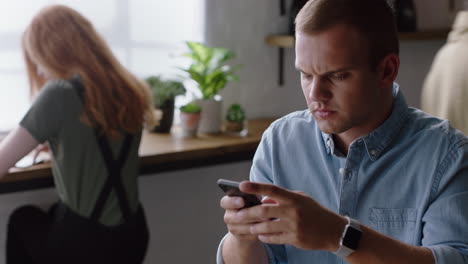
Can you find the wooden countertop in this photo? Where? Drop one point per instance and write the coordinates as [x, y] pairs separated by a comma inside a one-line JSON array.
[[160, 152]]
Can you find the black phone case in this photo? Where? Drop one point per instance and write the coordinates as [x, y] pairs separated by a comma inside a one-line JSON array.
[[231, 188]]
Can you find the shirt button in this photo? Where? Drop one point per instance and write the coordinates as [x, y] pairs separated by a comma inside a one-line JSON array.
[[342, 171], [373, 152], [328, 143]]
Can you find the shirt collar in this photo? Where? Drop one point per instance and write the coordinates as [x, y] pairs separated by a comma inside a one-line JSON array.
[[328, 140], [379, 139]]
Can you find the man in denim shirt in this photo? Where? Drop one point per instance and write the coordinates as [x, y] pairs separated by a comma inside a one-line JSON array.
[[360, 176]]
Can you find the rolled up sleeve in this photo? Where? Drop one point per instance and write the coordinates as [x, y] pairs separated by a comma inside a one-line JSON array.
[[446, 229], [447, 254], [219, 254], [445, 222], [275, 253]]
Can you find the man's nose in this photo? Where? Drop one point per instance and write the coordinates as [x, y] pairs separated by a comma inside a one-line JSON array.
[[319, 90]]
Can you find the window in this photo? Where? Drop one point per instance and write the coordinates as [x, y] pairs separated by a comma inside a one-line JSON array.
[[147, 36]]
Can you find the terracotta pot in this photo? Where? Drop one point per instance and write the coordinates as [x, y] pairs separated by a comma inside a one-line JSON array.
[[232, 126], [189, 123]]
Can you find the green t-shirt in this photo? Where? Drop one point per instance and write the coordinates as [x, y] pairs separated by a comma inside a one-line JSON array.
[[77, 163]]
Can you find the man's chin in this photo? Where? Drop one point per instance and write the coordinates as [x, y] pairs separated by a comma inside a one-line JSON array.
[[328, 129]]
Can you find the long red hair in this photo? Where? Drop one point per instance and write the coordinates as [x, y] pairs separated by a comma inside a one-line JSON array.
[[63, 43]]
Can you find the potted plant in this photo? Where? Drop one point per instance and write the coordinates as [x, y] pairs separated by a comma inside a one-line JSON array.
[[209, 69], [235, 118], [190, 118], [164, 93]]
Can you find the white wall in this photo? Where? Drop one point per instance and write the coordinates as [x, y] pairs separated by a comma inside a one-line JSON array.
[[242, 25], [416, 59], [182, 209]]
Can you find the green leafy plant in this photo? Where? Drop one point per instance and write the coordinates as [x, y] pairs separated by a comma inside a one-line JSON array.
[[235, 113], [191, 108], [209, 68], [164, 90]]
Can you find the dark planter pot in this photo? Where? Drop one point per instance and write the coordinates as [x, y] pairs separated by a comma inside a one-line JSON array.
[[165, 123]]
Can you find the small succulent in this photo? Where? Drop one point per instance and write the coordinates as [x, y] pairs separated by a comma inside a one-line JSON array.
[[235, 113], [191, 108]]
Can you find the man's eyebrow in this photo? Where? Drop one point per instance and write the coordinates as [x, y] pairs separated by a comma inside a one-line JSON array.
[[344, 69], [329, 72]]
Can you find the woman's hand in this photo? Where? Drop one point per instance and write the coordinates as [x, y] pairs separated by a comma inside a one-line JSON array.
[[38, 150]]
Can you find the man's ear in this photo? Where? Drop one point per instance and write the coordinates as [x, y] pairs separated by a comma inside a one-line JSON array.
[[388, 69]]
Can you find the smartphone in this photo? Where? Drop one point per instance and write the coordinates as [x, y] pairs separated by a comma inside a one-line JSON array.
[[231, 188]]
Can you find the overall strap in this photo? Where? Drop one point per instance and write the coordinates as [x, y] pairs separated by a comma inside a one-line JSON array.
[[78, 87], [114, 178], [114, 168]]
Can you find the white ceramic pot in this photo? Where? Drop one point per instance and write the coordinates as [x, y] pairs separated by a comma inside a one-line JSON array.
[[211, 116]]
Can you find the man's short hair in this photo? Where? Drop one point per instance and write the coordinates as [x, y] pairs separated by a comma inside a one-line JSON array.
[[372, 18]]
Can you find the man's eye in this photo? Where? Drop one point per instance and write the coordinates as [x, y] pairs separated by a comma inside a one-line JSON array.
[[306, 76], [339, 76]]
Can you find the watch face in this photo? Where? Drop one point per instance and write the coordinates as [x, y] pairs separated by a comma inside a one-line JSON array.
[[352, 238]]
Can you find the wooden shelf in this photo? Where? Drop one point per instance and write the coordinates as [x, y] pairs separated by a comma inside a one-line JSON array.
[[440, 34], [287, 41], [281, 41]]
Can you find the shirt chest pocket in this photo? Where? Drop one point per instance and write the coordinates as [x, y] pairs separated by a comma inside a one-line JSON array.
[[398, 223]]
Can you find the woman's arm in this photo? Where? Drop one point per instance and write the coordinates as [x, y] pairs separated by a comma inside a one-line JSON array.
[[15, 146]]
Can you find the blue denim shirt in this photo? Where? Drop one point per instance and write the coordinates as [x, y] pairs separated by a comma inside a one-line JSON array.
[[408, 179]]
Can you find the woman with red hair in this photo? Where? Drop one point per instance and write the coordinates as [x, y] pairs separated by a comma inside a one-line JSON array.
[[91, 112]]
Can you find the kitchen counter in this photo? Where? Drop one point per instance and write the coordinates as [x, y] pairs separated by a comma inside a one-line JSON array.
[[160, 152]]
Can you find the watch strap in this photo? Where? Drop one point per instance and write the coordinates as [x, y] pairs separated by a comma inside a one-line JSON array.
[[344, 251]]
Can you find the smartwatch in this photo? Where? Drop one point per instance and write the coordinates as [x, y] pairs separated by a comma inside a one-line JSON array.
[[349, 241]]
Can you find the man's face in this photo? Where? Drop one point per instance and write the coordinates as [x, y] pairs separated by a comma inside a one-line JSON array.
[[341, 89]]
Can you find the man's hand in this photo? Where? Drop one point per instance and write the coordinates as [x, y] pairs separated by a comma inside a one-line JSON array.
[[240, 246], [289, 218], [237, 226]]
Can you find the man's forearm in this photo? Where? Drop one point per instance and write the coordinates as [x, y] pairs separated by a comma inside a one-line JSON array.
[[376, 248], [243, 252]]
